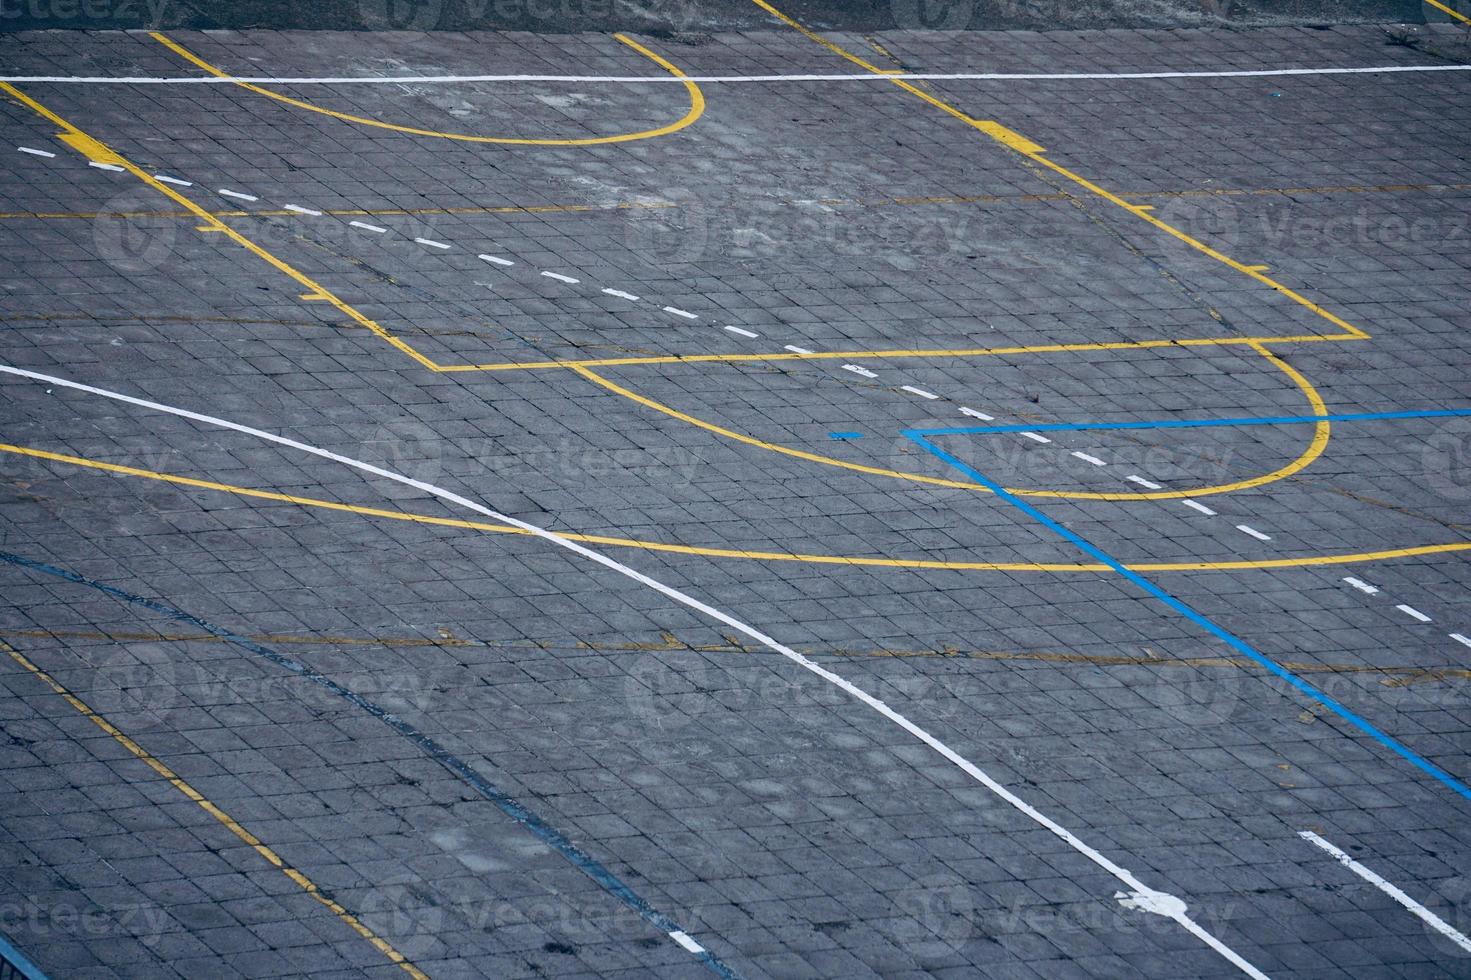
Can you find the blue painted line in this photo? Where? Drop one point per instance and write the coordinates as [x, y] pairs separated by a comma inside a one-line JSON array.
[[16, 960], [845, 435], [1363, 724], [517, 811], [1195, 423]]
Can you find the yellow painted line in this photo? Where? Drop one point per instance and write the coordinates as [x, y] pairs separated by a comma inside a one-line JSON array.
[[225, 820], [891, 354], [697, 104], [76, 138], [90, 148], [1454, 13], [1020, 144], [1314, 450], [745, 554]]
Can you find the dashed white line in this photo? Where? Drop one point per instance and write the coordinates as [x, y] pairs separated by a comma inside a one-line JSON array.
[[1197, 505], [1035, 437], [431, 243], [1362, 586], [743, 333], [1146, 484], [377, 229], [561, 278], [683, 938], [1140, 896], [1430, 918], [1413, 613], [1463, 640], [862, 372], [919, 391], [237, 195], [1248, 529], [684, 313], [106, 166], [494, 260], [301, 210], [1090, 459], [37, 153], [977, 415], [621, 294], [176, 181], [796, 350]]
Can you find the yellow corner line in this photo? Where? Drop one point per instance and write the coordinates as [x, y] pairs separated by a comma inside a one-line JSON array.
[[1033, 151], [225, 820], [680, 549], [1314, 450], [696, 109], [77, 139]]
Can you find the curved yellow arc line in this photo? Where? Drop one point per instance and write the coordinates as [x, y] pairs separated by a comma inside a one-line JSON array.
[[696, 110], [682, 549], [1319, 443]]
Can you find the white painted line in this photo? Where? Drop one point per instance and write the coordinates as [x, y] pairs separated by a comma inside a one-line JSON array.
[[106, 166], [1362, 586], [710, 79], [378, 229], [621, 294], [1197, 505], [1035, 437], [977, 415], [683, 938], [1139, 896], [1463, 640], [919, 391], [431, 243], [1430, 918], [796, 350], [37, 153], [173, 180], [743, 333], [678, 312], [1090, 459], [301, 210], [1413, 613], [1146, 484], [237, 195], [862, 372], [1248, 529], [494, 260], [561, 278]]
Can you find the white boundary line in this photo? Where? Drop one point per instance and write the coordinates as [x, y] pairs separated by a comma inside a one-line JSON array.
[[1139, 896], [1431, 919], [714, 79]]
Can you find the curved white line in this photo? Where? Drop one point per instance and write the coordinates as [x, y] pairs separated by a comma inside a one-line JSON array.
[[1139, 896], [714, 79]]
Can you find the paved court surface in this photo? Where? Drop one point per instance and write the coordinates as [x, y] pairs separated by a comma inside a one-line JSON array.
[[855, 526]]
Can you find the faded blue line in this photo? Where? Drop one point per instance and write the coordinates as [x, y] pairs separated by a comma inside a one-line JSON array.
[[16, 960], [1193, 423], [845, 435], [517, 811], [1363, 724]]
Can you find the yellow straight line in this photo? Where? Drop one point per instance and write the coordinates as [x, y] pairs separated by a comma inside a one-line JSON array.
[[227, 821], [894, 353], [1454, 13], [681, 549], [77, 139], [697, 104], [1019, 143]]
